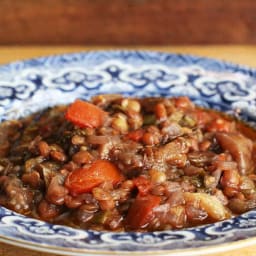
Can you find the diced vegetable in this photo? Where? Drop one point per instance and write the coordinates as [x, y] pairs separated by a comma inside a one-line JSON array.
[[84, 114], [149, 119], [119, 123], [101, 217], [177, 216], [141, 211], [239, 147], [160, 111], [130, 105], [202, 117], [219, 125], [143, 184], [209, 204], [135, 135], [85, 179], [184, 103]]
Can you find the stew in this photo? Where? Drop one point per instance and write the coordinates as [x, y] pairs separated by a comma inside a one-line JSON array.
[[128, 164]]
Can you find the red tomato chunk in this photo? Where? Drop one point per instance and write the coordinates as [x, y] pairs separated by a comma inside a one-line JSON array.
[[85, 179], [84, 114]]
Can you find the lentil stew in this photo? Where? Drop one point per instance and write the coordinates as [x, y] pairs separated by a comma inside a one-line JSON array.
[[128, 164]]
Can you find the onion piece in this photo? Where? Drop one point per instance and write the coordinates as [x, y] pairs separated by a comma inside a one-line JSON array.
[[210, 204]]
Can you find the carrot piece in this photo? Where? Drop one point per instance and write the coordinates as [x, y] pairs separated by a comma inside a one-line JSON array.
[[85, 179], [85, 114], [141, 211]]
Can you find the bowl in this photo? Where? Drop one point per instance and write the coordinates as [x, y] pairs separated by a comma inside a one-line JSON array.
[[31, 85]]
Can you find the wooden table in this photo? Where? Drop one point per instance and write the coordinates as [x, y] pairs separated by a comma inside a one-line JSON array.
[[242, 54]]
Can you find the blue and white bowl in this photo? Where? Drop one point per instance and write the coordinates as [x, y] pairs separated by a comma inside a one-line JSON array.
[[28, 86]]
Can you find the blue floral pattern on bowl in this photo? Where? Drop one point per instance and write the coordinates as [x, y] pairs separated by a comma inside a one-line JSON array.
[[28, 86]]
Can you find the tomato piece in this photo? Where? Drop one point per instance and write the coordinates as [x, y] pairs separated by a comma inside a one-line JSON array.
[[135, 135], [141, 211], [143, 184], [85, 114], [85, 179]]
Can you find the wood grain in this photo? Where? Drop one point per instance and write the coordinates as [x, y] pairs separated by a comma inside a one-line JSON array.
[[127, 22], [9, 250]]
